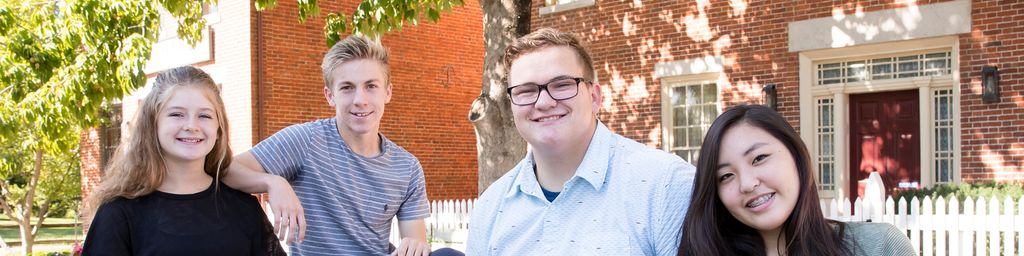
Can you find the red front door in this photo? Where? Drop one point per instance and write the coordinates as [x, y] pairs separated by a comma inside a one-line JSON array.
[[885, 138]]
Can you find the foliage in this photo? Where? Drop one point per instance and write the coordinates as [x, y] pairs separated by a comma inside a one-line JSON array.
[[977, 190], [57, 253], [986, 190], [372, 17], [60, 183], [59, 180], [36, 181], [60, 61]]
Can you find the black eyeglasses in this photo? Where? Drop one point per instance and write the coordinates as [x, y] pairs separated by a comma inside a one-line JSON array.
[[562, 88]]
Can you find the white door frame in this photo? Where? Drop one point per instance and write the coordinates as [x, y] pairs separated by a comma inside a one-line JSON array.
[[925, 85]]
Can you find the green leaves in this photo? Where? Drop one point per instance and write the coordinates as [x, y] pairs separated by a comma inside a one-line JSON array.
[[335, 24], [61, 60], [308, 8], [372, 17], [263, 5], [190, 17]]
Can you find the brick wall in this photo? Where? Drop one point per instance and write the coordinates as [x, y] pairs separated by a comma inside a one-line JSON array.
[[436, 72], [627, 39], [89, 152], [993, 133]]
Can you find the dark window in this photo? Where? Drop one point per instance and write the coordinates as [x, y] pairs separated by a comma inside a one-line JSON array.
[[110, 134]]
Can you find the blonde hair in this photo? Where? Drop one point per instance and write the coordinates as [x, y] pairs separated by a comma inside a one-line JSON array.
[[546, 37], [354, 48], [137, 168]]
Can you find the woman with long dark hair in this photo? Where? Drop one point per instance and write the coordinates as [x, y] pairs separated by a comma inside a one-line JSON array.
[[755, 194]]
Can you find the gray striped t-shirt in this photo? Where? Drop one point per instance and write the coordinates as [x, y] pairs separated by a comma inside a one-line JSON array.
[[349, 200]]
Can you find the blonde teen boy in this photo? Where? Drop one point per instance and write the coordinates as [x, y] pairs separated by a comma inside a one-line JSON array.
[[350, 179]]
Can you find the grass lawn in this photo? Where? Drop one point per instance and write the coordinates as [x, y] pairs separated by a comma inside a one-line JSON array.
[[9, 230], [12, 235], [4, 220]]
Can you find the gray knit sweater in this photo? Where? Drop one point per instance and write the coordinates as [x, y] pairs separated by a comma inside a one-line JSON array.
[[875, 238]]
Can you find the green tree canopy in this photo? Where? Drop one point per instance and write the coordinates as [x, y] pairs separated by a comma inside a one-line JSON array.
[[61, 60], [372, 18]]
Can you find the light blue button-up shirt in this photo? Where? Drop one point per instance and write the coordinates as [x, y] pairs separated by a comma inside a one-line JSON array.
[[625, 199]]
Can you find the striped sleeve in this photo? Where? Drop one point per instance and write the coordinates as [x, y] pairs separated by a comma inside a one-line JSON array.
[[415, 205], [282, 154]]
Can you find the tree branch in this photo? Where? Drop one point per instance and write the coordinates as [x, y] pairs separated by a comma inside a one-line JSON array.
[[4, 192], [26, 205], [43, 210]]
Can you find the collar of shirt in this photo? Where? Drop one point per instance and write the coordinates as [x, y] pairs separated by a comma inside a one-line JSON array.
[[593, 169]]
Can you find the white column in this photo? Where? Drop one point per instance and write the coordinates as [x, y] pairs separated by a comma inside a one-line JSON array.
[[926, 114], [841, 141]]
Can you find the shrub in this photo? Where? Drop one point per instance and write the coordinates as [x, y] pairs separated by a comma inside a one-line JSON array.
[[976, 190], [55, 253]]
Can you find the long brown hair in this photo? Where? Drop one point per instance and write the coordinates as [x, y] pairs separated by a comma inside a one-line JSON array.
[[137, 167], [709, 228]]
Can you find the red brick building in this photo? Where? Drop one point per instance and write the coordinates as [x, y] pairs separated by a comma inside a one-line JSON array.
[[891, 86], [268, 65]]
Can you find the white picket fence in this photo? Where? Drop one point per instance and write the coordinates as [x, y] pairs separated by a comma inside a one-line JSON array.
[[940, 227], [447, 226], [935, 227]]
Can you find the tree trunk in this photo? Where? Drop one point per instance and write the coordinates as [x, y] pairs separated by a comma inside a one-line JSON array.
[[499, 146], [25, 222], [25, 228]]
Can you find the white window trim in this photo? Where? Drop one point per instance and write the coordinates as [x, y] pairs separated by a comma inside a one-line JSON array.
[[815, 148], [840, 92], [666, 100], [954, 147], [696, 70], [566, 6]]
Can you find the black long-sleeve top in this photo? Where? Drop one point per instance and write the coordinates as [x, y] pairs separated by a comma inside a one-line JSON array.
[[217, 221]]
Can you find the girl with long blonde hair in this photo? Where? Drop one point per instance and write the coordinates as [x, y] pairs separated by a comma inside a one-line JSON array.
[[161, 194]]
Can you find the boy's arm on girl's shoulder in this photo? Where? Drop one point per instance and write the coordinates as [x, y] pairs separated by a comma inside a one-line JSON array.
[[246, 174], [269, 244]]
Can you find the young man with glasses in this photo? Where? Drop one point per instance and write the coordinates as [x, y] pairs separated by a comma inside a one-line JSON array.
[[581, 190]]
